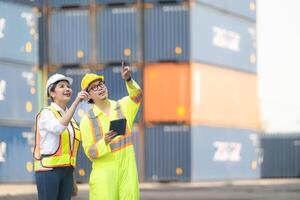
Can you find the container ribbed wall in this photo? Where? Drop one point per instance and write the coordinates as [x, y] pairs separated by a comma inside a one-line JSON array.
[[69, 37], [117, 34], [16, 160], [18, 33]]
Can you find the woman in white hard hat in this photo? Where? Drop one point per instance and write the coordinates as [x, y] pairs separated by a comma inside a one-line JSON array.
[[57, 141], [114, 173]]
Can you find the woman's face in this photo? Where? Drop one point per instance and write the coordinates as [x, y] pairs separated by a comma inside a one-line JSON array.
[[98, 90], [62, 92]]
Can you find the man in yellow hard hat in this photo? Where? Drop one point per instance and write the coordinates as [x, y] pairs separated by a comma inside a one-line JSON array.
[[114, 173]]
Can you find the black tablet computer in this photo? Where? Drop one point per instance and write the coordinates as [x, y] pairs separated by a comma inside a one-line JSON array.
[[119, 126]]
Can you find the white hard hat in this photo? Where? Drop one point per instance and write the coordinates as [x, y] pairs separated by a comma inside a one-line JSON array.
[[55, 78]]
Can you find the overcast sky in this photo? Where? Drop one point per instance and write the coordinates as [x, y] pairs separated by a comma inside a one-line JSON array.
[[278, 37]]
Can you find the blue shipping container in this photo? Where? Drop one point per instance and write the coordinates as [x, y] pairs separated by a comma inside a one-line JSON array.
[[115, 1], [175, 152], [244, 8], [65, 3], [117, 34], [167, 32], [69, 37], [281, 155], [16, 158], [18, 33], [37, 3], [18, 93], [201, 34]]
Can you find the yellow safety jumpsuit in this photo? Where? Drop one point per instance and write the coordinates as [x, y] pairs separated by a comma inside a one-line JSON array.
[[114, 173]]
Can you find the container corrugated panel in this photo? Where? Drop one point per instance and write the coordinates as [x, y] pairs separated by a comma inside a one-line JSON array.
[[16, 158], [167, 33], [222, 39], [117, 34], [227, 97], [167, 153], [84, 165], [224, 153], [69, 37], [167, 95], [200, 94], [18, 33], [37, 3], [64, 3], [244, 8], [115, 1], [18, 93], [281, 155]]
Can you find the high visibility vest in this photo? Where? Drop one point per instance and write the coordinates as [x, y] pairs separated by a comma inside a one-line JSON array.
[[64, 155], [116, 145]]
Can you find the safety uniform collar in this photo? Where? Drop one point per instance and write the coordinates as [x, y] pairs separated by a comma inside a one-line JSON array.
[[97, 111], [57, 107]]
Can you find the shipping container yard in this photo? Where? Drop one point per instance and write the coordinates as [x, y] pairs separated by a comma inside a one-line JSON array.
[[204, 113]]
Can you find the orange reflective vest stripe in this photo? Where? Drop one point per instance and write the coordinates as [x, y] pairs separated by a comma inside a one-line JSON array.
[[64, 155]]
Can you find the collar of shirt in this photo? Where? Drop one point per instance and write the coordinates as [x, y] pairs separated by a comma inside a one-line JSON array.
[[58, 108], [97, 111]]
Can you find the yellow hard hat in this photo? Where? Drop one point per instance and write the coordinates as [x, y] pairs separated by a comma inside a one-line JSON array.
[[88, 79]]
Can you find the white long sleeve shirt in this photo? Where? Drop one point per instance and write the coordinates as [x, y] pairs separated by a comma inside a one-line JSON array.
[[50, 130]]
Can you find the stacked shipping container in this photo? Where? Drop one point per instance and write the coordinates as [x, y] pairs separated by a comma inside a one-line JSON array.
[[18, 90], [200, 72]]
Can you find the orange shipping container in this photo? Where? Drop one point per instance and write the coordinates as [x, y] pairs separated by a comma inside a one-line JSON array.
[[200, 94]]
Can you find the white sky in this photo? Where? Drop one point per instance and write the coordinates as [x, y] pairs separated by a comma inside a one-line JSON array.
[[278, 37]]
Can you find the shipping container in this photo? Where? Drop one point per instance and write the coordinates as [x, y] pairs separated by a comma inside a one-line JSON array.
[[37, 3], [193, 153], [70, 37], [68, 3], [113, 80], [183, 32], [281, 155], [84, 165], [242, 8], [18, 93], [200, 94], [118, 34], [16, 158], [18, 33], [115, 2]]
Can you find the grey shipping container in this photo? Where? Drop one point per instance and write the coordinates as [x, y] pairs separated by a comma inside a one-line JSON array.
[[117, 34], [18, 33], [69, 37], [182, 32], [113, 80], [192, 153], [281, 155], [66, 3], [37, 3], [16, 159], [243, 8], [84, 165], [115, 1], [18, 93]]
